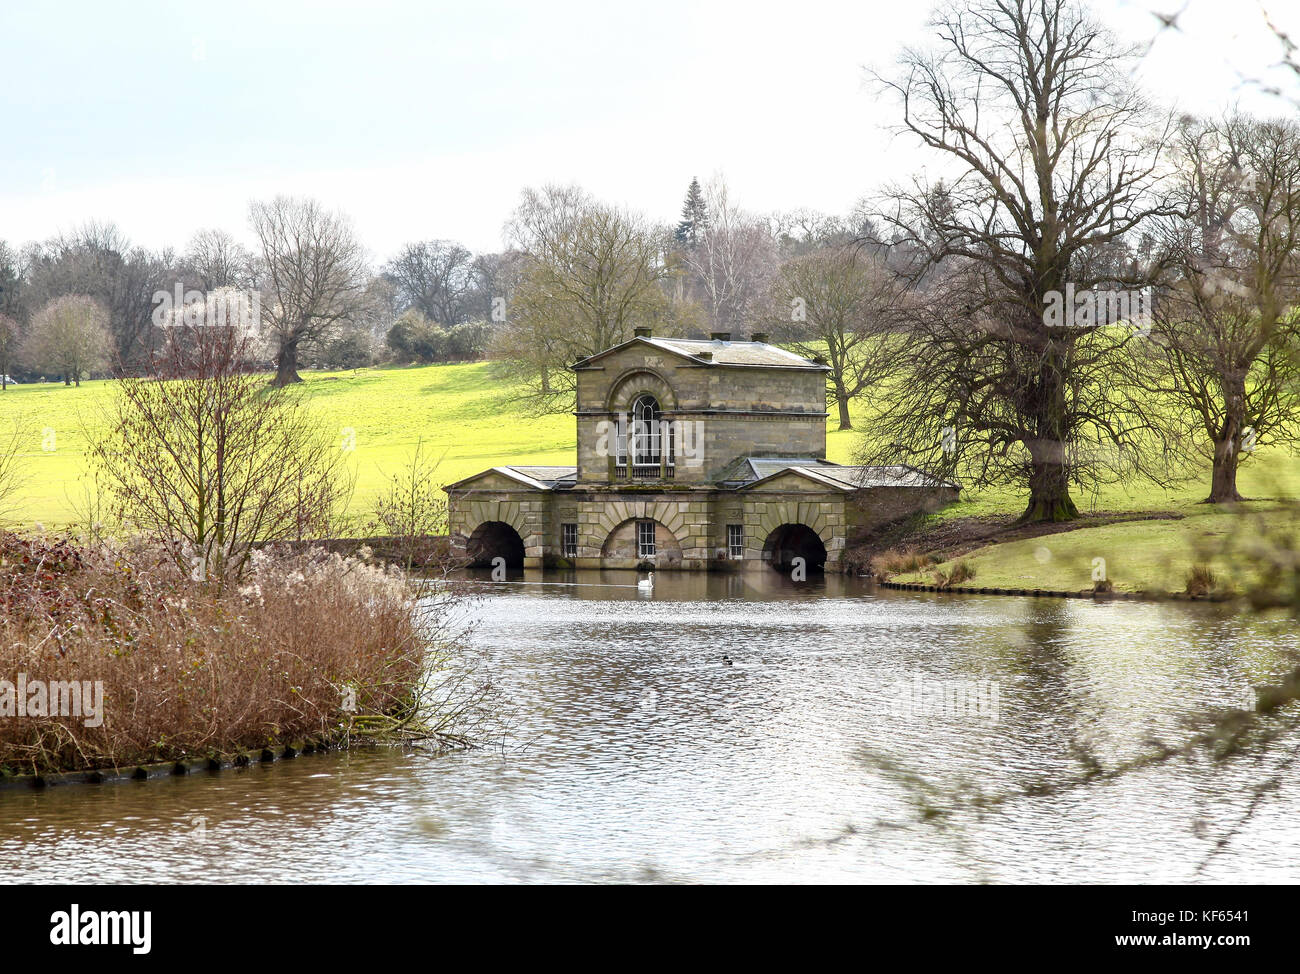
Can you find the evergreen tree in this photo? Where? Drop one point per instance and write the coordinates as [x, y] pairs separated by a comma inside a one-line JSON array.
[[695, 216]]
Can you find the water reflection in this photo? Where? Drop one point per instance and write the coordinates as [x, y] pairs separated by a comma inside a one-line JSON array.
[[732, 728]]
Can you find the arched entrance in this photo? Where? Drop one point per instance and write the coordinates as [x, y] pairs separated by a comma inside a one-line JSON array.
[[790, 541], [642, 541], [495, 539]]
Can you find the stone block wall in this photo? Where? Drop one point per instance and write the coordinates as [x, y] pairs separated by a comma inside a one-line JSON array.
[[733, 412], [691, 531]]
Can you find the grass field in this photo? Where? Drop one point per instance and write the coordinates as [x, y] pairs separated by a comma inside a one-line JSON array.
[[463, 414], [472, 421]]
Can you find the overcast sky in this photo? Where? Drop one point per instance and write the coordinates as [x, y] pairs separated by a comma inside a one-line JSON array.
[[425, 120]]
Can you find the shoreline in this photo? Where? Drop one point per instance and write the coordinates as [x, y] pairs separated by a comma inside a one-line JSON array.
[[1142, 596], [179, 768]]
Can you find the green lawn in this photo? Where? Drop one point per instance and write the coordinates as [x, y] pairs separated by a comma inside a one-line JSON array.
[[470, 420], [1136, 555], [464, 415]]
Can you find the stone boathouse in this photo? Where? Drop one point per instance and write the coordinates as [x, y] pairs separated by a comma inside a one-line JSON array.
[[692, 454]]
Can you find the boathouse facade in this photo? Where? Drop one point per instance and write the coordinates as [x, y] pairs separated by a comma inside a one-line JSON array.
[[692, 454]]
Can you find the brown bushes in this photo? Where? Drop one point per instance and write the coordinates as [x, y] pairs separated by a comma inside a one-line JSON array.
[[1201, 582], [304, 647], [962, 571], [895, 562]]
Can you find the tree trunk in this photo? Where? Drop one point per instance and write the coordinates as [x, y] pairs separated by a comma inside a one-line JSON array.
[[843, 400], [1223, 479], [286, 366], [1049, 490], [1227, 446], [1049, 472]]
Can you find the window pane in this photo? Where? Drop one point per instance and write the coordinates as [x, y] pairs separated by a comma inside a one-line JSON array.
[[645, 538]]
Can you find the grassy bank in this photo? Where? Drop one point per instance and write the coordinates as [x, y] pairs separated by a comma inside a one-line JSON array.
[[1136, 555]]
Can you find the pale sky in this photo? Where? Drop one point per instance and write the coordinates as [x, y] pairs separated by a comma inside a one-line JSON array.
[[425, 120]]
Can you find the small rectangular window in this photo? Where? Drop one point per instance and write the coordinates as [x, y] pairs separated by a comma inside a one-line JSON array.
[[569, 540], [645, 539], [735, 541]]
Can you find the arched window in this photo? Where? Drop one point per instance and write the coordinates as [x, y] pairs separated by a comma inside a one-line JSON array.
[[644, 439]]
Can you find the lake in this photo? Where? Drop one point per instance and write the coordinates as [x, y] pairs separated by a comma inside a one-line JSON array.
[[740, 729]]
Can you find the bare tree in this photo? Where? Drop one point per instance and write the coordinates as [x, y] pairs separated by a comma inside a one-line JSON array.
[[214, 259], [97, 260], [412, 508], [314, 274], [590, 271], [803, 231], [203, 459], [12, 474], [436, 277], [69, 337], [1224, 350], [732, 263], [843, 304], [12, 284], [1054, 158]]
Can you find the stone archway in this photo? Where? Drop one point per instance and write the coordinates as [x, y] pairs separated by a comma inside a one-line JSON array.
[[639, 381], [495, 539], [622, 545], [788, 541], [811, 515]]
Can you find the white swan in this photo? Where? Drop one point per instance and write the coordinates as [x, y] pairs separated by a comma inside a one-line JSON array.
[[646, 584]]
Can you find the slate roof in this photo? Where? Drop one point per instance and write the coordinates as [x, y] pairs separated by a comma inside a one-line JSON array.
[[538, 478], [751, 470], [756, 355]]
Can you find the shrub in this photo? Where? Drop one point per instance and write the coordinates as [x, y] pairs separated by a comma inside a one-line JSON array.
[[962, 571], [310, 646], [1201, 581], [198, 456], [894, 562]]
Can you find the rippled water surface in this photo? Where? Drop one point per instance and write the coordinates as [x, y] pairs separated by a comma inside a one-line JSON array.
[[806, 758]]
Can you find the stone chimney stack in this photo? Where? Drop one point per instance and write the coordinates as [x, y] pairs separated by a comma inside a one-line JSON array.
[[641, 331], [758, 336], [721, 336]]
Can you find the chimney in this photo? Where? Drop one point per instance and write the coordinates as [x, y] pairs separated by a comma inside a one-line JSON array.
[[706, 356], [758, 336], [721, 336], [641, 331]]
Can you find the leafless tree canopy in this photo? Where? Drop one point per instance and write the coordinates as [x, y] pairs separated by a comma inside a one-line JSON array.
[[437, 278], [1223, 355], [590, 272], [732, 263], [1052, 162], [214, 259], [202, 458], [314, 275], [843, 304]]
